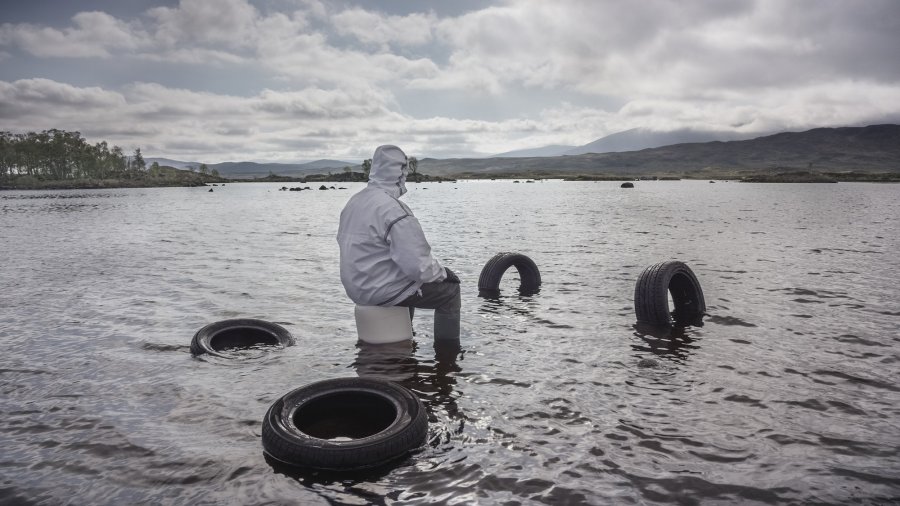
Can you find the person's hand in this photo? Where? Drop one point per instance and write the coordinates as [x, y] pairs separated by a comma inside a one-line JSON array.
[[451, 276]]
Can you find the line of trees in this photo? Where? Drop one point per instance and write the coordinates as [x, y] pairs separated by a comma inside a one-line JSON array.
[[61, 155]]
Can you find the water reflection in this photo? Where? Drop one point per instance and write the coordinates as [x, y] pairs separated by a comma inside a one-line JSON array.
[[674, 344], [496, 294], [433, 381], [523, 305], [388, 361]]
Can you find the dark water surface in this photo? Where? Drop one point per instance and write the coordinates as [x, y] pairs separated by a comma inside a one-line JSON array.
[[789, 394]]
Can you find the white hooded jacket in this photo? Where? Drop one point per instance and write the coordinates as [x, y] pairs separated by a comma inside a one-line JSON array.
[[385, 257]]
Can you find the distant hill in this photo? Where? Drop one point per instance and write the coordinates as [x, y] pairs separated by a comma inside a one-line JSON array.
[[247, 170], [873, 148], [552, 150], [635, 139], [168, 162]]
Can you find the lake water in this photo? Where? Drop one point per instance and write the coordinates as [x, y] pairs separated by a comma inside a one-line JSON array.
[[788, 394]]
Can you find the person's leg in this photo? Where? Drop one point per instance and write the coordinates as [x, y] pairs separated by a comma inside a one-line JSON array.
[[444, 298]]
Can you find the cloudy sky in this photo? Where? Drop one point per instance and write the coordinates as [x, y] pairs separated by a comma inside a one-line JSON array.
[[298, 80]]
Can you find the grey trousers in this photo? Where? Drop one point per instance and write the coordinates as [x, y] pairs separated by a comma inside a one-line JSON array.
[[444, 298]]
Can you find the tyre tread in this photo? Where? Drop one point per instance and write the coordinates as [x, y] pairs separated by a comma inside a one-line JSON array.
[[318, 454], [493, 271], [651, 302]]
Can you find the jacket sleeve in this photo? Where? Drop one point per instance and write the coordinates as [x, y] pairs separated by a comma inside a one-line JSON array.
[[411, 251]]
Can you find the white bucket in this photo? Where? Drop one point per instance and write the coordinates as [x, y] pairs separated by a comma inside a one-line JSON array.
[[383, 324]]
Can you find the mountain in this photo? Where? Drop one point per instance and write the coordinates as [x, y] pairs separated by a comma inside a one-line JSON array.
[[552, 150], [635, 139], [874, 148], [247, 170]]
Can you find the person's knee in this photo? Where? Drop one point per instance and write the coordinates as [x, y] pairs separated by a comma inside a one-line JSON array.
[[453, 299], [453, 304]]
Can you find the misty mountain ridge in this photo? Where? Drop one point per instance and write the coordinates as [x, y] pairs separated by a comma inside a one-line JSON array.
[[629, 140], [635, 139], [874, 148]]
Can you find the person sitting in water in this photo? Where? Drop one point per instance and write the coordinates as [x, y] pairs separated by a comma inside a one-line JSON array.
[[385, 258]]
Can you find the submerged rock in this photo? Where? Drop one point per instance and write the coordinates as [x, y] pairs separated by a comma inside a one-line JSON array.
[[648, 362]]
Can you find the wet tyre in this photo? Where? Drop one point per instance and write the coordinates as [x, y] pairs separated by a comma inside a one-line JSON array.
[[626, 185], [344, 424], [651, 301], [239, 333], [496, 267]]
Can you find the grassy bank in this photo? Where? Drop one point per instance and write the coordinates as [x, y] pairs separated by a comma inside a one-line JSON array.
[[158, 177]]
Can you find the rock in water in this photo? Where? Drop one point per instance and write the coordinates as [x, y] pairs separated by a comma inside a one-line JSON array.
[[648, 362]]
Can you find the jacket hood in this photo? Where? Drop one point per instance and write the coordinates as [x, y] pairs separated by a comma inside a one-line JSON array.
[[389, 169]]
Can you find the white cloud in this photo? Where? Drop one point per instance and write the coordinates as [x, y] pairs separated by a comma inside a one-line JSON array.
[[50, 96], [376, 29]]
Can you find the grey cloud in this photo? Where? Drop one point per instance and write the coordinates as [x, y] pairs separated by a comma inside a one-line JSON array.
[[372, 28], [461, 78], [320, 103], [93, 34], [230, 23]]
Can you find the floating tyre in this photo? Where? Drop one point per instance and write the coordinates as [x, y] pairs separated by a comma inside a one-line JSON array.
[[651, 301], [492, 273], [344, 424], [626, 185], [216, 337]]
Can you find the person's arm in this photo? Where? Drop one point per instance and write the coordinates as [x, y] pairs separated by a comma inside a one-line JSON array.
[[412, 253]]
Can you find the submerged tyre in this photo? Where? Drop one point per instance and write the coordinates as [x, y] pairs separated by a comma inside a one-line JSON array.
[[239, 333], [344, 424], [492, 273], [651, 301]]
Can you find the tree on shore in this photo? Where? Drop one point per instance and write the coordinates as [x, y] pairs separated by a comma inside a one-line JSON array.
[[57, 158], [367, 166], [137, 164], [414, 168]]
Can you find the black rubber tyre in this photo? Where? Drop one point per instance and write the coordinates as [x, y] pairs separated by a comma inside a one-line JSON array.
[[492, 273], [651, 302], [344, 424], [626, 185], [239, 333]]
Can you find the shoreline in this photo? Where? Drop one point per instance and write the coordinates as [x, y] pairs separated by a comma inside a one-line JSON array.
[[784, 178]]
